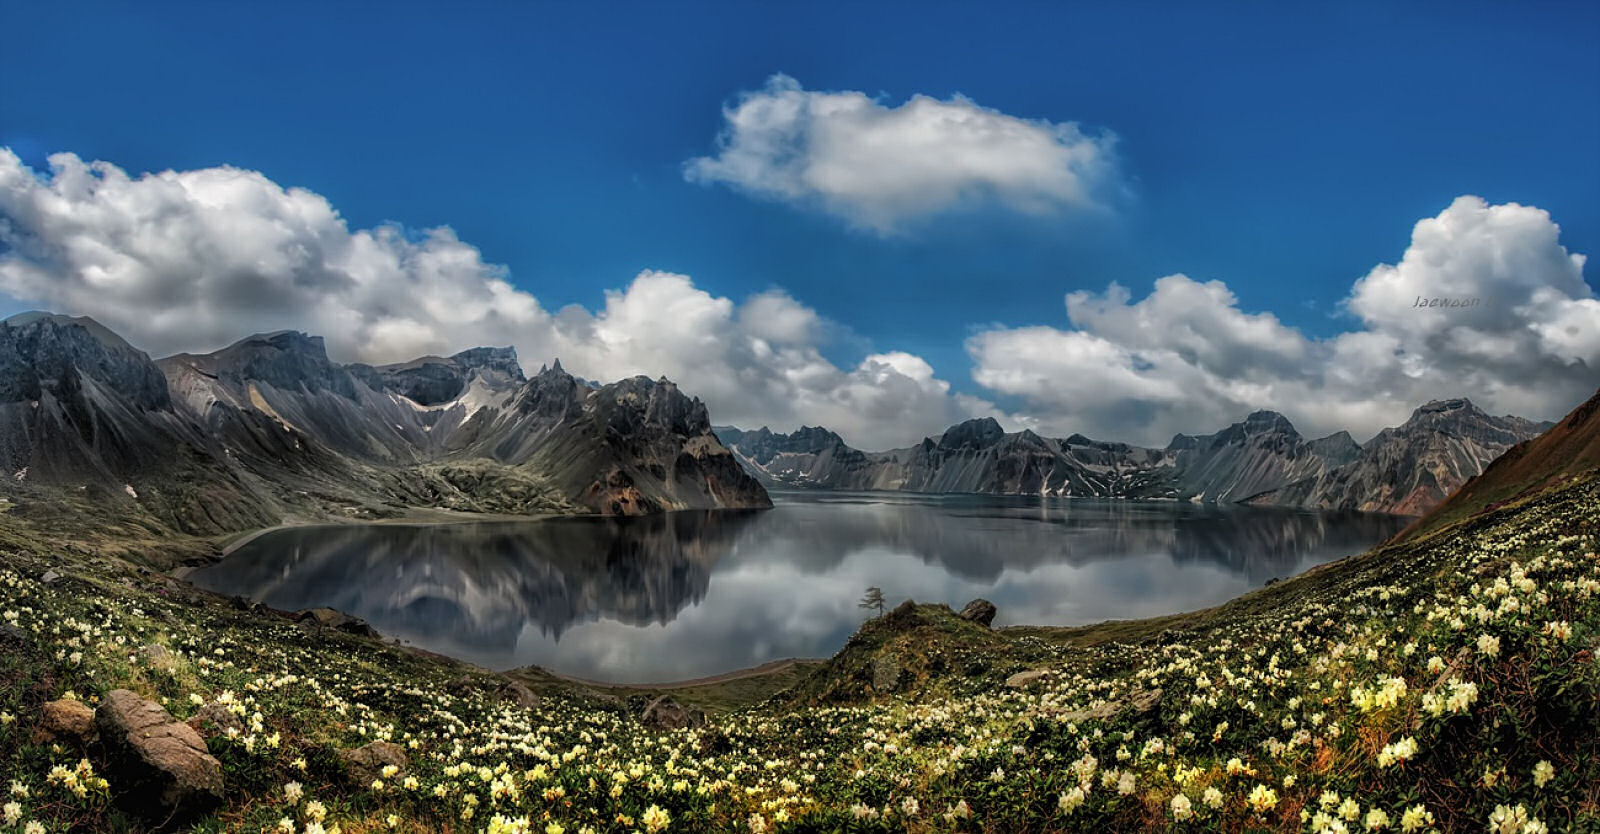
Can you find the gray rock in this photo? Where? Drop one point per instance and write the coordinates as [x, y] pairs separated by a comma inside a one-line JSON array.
[[1023, 680], [664, 713], [50, 577], [980, 611], [366, 763], [12, 635], [1145, 700], [159, 767], [158, 657], [1099, 711], [885, 673]]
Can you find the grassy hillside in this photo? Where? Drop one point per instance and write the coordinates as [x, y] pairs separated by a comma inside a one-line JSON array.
[[1444, 684]]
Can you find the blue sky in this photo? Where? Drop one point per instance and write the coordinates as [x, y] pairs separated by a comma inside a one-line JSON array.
[[1283, 150]]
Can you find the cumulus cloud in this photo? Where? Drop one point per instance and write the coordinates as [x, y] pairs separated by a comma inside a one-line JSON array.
[[880, 167], [192, 260], [1186, 356]]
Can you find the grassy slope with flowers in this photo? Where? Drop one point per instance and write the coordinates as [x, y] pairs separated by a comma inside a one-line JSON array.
[[1446, 684]]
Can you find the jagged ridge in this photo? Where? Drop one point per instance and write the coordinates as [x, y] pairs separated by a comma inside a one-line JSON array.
[[1261, 459], [269, 427]]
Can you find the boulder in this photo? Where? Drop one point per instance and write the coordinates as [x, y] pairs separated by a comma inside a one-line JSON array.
[[980, 611], [50, 577], [367, 762], [159, 767], [1023, 680], [66, 720], [663, 713]]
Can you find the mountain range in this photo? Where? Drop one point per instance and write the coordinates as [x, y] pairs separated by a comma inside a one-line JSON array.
[[270, 428], [1261, 460]]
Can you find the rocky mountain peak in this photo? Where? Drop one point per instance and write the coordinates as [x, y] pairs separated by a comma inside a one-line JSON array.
[[1260, 422], [1258, 427], [44, 352], [502, 359], [664, 406], [1337, 449], [1443, 410], [979, 433], [286, 359]]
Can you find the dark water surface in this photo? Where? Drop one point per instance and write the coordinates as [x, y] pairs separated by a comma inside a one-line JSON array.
[[700, 593]]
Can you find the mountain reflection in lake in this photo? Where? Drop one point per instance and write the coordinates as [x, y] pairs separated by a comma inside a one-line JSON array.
[[690, 594]]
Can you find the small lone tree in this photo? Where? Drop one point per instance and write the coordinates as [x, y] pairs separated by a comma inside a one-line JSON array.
[[873, 599]]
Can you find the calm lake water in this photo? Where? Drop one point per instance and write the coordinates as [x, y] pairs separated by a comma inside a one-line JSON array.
[[691, 594]]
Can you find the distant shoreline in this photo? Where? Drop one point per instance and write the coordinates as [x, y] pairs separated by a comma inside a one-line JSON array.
[[412, 516], [771, 667]]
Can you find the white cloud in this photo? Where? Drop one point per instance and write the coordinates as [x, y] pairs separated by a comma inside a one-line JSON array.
[[192, 260], [1185, 357], [879, 167]]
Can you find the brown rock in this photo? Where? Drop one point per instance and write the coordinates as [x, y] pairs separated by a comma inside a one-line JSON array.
[[158, 766], [980, 611], [66, 720], [367, 762]]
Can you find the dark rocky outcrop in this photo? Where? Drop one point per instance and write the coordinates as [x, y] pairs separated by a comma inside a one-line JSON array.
[[663, 713], [157, 766], [980, 611], [338, 621]]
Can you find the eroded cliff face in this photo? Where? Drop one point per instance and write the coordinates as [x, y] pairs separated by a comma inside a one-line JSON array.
[[270, 426], [1260, 459], [1410, 469]]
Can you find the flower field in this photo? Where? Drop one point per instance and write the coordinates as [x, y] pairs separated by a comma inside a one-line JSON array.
[[1446, 684]]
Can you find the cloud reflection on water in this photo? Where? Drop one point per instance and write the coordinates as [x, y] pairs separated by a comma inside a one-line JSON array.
[[698, 593]]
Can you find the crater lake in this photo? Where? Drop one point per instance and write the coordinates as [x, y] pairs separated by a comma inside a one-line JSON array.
[[692, 594]]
